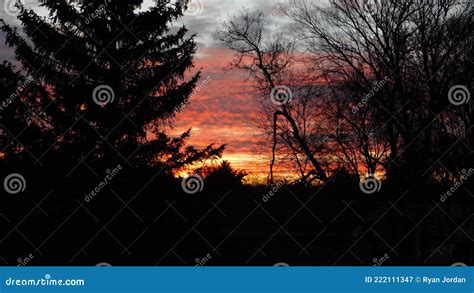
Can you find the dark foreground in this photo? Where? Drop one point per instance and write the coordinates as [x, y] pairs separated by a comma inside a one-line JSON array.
[[147, 219]]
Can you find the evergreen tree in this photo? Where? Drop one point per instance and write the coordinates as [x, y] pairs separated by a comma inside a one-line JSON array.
[[20, 131], [107, 78]]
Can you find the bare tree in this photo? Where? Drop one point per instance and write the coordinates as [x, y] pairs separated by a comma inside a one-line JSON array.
[[359, 143], [270, 61], [410, 43]]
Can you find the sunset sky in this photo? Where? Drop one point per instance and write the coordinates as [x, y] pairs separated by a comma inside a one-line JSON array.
[[222, 109]]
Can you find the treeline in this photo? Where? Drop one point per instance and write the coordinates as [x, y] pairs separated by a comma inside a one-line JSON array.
[[372, 88], [85, 92]]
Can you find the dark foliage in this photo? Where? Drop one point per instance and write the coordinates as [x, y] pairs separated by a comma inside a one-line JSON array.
[[83, 118], [105, 79]]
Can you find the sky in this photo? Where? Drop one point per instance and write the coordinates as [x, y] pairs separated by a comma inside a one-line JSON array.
[[223, 107]]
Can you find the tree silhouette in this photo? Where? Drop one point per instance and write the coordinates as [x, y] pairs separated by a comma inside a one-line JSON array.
[[381, 83], [89, 174], [269, 59], [419, 49], [107, 79]]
